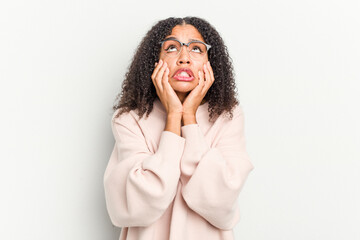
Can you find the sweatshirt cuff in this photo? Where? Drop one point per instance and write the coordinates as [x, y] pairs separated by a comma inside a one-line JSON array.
[[170, 138], [169, 153], [195, 138], [171, 143], [196, 147], [189, 130]]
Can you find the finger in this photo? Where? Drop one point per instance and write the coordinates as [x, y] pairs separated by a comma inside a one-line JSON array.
[[208, 81], [201, 80], [201, 75], [165, 77], [157, 68], [153, 78], [207, 73], [211, 71], [159, 75], [207, 76], [166, 84], [211, 75]]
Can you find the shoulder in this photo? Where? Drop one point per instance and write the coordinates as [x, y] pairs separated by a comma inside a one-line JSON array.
[[125, 125], [237, 115], [238, 110], [124, 118], [131, 122], [234, 125], [157, 112]]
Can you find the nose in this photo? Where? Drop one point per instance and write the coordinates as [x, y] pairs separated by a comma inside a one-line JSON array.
[[184, 57]]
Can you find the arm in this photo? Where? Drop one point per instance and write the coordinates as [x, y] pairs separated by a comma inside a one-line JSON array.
[[140, 185], [213, 177]]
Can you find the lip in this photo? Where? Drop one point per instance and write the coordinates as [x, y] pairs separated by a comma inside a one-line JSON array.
[[183, 78]]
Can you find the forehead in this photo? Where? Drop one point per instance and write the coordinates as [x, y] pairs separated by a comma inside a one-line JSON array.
[[185, 33]]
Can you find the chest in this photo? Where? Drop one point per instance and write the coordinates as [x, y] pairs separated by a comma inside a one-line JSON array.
[[152, 128]]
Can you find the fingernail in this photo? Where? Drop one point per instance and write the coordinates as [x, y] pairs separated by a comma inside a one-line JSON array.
[[156, 64], [160, 61]]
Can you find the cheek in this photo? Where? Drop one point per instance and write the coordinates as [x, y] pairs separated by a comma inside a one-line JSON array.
[[200, 67], [166, 59], [171, 63], [161, 57]]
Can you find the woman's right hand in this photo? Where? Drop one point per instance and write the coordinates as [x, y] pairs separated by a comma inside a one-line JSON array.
[[165, 92]]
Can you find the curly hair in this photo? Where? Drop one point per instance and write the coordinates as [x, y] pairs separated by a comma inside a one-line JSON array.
[[138, 91]]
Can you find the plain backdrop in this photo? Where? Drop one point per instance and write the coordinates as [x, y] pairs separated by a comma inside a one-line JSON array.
[[297, 71]]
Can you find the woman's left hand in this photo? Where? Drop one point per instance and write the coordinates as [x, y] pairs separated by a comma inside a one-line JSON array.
[[194, 98]]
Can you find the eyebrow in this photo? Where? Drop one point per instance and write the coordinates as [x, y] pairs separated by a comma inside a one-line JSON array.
[[174, 38]]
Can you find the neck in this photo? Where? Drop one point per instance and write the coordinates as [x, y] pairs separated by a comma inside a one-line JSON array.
[[182, 97]]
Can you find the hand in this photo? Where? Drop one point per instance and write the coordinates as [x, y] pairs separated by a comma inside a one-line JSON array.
[[194, 98], [166, 93]]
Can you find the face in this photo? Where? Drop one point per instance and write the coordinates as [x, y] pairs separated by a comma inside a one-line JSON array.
[[185, 34]]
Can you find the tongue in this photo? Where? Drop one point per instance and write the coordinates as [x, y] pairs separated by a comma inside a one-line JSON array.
[[184, 74]]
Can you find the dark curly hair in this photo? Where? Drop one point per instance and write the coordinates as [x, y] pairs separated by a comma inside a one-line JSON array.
[[138, 91]]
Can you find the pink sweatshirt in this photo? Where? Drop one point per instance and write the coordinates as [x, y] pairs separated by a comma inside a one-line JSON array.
[[162, 186]]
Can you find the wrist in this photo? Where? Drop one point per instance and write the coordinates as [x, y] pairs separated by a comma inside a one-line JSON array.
[[188, 118], [174, 115], [173, 123]]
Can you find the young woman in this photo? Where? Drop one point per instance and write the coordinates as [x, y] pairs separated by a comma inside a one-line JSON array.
[[176, 173]]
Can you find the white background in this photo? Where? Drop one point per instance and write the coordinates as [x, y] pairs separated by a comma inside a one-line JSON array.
[[297, 70]]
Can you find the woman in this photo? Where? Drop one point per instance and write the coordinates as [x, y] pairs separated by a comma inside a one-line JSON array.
[[177, 172]]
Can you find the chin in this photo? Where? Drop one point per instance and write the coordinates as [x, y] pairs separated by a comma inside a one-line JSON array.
[[183, 87]]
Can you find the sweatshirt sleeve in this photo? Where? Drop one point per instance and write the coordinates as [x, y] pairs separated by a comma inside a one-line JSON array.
[[213, 177], [140, 185]]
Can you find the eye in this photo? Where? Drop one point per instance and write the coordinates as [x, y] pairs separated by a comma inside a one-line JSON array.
[[196, 49], [171, 48]]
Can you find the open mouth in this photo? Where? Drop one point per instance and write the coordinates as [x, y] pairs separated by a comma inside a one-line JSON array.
[[184, 74]]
